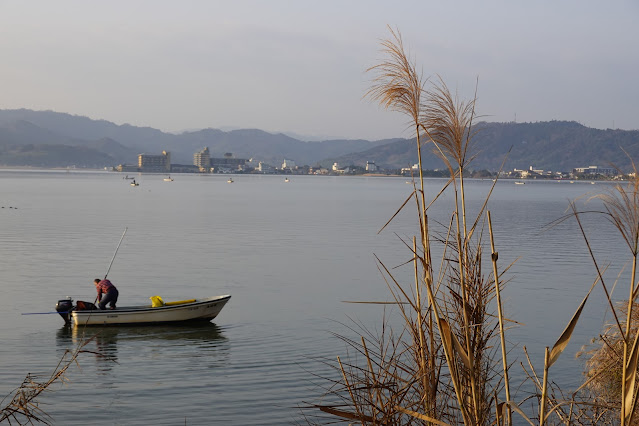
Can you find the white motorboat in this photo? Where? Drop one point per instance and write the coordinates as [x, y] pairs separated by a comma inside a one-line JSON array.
[[168, 179], [230, 180], [182, 311], [134, 183]]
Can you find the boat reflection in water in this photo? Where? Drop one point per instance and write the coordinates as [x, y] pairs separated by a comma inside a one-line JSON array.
[[105, 343]]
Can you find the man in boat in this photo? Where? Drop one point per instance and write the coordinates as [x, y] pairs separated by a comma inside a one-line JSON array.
[[107, 293]]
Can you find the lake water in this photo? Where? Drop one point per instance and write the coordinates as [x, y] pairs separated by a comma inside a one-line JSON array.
[[288, 253]]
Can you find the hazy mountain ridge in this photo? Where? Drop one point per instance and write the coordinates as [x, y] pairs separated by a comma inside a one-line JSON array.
[[41, 128], [551, 145], [51, 139]]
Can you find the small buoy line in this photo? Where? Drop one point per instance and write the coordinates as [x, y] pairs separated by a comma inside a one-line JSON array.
[[11, 207]]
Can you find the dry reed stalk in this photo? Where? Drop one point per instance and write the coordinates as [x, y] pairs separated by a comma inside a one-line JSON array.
[[500, 315], [23, 408], [447, 122], [444, 371], [399, 87], [423, 371], [544, 388]]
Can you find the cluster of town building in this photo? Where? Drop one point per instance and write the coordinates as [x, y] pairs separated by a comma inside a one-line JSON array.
[[204, 163], [534, 173], [590, 171]]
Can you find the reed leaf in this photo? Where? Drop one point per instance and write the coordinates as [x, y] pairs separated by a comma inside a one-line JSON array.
[[500, 412], [519, 411], [412, 194], [460, 349], [344, 414], [421, 416], [631, 378], [564, 339]]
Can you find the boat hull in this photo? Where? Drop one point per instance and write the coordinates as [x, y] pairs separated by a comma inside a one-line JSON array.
[[198, 310]]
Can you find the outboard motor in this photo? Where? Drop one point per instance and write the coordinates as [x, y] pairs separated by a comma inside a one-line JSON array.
[[64, 308]]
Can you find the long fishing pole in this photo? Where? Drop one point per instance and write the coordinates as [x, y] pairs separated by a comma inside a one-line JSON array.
[[105, 276], [111, 264], [114, 254]]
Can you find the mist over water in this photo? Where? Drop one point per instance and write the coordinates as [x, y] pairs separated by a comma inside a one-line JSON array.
[[288, 253]]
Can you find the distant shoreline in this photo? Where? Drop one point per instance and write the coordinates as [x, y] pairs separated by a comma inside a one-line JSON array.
[[103, 170]]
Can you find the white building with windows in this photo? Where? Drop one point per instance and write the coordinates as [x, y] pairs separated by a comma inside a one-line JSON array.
[[595, 170], [155, 163], [288, 164], [264, 168], [202, 159], [370, 166]]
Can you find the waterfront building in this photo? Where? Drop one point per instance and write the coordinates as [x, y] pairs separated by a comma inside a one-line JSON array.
[[262, 167], [288, 164], [370, 166], [184, 168], [155, 163], [202, 159], [127, 168], [228, 163], [595, 170]]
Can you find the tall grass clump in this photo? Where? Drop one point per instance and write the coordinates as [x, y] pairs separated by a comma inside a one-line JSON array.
[[447, 363], [441, 366], [611, 368]]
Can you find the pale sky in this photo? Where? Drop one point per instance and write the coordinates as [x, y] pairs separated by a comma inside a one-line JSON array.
[[299, 66]]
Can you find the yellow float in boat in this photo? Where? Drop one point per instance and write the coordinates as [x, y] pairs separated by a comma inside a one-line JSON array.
[[179, 302], [156, 302]]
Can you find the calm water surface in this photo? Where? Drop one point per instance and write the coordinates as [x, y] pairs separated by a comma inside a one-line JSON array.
[[288, 253]]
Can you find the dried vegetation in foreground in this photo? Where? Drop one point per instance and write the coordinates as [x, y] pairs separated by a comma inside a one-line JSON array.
[[24, 407], [447, 363]]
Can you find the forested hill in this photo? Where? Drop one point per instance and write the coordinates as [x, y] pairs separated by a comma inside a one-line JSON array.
[[552, 145], [52, 139]]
